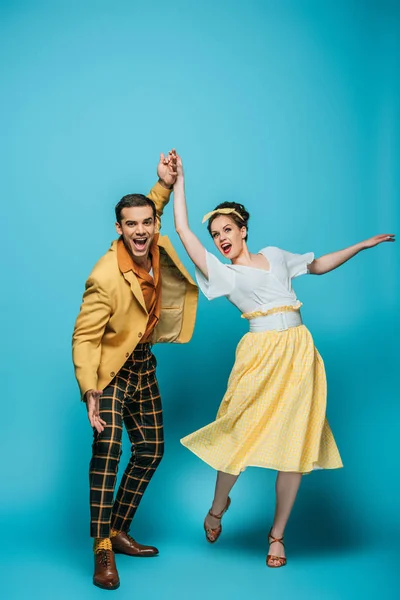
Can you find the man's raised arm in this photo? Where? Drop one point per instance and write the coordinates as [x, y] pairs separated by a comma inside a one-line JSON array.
[[160, 193]]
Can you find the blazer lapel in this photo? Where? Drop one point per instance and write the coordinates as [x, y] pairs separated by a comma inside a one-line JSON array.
[[136, 289]]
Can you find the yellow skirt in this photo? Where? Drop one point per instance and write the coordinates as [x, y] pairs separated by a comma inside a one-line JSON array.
[[273, 412]]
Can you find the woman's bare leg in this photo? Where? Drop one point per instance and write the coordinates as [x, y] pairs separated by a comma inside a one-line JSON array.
[[223, 486], [287, 485]]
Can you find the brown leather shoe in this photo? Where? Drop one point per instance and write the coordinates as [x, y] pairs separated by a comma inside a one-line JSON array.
[[105, 570], [125, 544]]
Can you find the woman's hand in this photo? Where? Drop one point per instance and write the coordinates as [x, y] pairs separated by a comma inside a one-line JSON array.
[[179, 165], [331, 261], [378, 239], [180, 179], [193, 246]]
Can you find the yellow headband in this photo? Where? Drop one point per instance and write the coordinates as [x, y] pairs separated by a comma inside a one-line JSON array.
[[222, 211]]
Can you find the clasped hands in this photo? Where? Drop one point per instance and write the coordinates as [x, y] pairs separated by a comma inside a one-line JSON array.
[[169, 169]]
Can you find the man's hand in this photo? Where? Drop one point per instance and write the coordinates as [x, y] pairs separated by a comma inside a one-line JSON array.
[[92, 398], [166, 169]]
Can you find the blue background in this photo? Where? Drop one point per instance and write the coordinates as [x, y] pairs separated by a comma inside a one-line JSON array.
[[289, 107]]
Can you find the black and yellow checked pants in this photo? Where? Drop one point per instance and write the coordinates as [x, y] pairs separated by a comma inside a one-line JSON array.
[[131, 398]]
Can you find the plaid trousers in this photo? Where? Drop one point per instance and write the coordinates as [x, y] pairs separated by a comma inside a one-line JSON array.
[[131, 398]]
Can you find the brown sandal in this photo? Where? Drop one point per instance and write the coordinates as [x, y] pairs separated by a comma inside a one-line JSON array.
[[213, 534], [271, 558]]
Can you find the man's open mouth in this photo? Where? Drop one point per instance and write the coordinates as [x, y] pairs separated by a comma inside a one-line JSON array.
[[226, 247], [139, 243]]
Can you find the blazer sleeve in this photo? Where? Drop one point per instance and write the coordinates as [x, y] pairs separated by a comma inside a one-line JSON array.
[[88, 332], [160, 196]]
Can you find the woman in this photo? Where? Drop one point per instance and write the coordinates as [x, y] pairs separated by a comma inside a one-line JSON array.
[[273, 412]]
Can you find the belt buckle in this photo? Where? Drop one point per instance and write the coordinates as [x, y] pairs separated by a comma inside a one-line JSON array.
[[283, 322]]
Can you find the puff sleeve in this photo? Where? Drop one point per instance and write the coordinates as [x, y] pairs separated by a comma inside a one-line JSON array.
[[297, 264], [221, 279]]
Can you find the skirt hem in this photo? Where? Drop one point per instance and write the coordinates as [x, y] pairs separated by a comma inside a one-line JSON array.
[[315, 466]]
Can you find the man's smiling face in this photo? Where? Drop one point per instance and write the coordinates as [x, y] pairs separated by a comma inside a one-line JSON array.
[[137, 228]]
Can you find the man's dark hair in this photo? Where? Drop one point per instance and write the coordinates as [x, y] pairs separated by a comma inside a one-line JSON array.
[[133, 200]]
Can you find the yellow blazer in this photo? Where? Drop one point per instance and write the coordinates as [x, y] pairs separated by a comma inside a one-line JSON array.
[[113, 315]]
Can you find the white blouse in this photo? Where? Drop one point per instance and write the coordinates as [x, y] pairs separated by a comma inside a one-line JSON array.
[[251, 289]]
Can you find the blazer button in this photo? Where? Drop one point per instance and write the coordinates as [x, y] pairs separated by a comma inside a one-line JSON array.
[[112, 374], [140, 335], [127, 355]]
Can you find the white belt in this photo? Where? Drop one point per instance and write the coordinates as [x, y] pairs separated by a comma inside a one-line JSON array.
[[277, 321]]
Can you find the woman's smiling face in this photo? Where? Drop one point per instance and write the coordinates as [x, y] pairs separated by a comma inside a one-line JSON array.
[[228, 237]]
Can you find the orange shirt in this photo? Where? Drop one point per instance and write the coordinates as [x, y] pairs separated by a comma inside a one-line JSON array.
[[150, 286]]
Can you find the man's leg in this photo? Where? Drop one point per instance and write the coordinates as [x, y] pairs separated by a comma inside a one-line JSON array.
[[143, 419], [106, 452]]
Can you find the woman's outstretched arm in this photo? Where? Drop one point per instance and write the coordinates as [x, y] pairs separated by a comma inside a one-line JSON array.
[[331, 261], [192, 244]]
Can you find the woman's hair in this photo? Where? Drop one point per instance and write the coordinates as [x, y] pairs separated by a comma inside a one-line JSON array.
[[240, 221]]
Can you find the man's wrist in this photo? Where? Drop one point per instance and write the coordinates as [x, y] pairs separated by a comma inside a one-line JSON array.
[[165, 185], [86, 394]]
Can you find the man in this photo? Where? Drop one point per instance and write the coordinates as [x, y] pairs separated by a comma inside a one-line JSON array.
[[139, 293]]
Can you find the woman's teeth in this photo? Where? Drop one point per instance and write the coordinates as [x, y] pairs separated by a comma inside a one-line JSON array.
[[226, 248]]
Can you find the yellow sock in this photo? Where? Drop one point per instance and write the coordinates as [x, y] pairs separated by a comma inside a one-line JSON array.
[[101, 544], [113, 533]]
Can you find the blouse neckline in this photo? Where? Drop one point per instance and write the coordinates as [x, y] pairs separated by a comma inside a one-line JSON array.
[[256, 268]]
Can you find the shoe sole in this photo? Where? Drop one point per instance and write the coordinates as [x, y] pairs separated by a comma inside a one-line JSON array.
[[106, 587], [136, 555]]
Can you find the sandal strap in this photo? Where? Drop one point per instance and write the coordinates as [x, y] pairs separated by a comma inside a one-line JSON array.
[[220, 514], [211, 530], [274, 539], [281, 559], [280, 540], [216, 516]]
